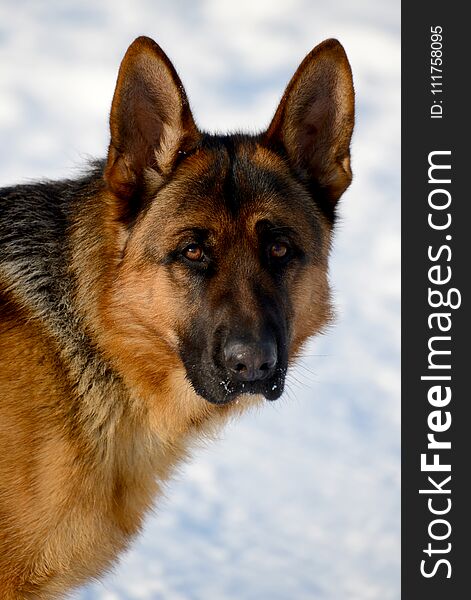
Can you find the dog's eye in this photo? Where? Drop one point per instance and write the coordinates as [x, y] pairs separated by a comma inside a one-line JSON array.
[[193, 252], [278, 250]]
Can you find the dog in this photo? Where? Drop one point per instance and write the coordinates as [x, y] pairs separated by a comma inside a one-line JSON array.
[[146, 302]]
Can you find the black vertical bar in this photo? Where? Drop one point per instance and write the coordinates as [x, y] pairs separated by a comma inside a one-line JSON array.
[[447, 131]]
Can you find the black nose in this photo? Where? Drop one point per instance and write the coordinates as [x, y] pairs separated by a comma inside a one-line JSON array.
[[250, 361]]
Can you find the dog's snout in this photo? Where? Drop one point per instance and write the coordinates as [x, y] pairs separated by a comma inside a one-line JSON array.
[[250, 361]]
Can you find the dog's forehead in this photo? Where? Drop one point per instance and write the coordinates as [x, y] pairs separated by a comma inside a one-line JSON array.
[[231, 180]]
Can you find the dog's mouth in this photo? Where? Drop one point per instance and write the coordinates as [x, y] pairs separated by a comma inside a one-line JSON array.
[[223, 390]]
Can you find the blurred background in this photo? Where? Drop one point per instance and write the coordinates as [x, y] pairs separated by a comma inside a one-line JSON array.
[[302, 499]]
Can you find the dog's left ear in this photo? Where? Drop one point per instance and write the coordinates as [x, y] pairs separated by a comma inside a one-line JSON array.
[[314, 122], [150, 119]]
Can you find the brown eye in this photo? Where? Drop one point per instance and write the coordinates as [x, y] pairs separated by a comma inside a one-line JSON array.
[[278, 250], [193, 252]]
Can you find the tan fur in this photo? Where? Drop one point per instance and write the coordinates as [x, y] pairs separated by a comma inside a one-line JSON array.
[[84, 493]]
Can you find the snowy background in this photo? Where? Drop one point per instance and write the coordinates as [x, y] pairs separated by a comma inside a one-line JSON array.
[[301, 500]]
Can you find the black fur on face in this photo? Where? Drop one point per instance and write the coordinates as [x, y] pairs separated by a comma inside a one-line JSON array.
[[203, 348]]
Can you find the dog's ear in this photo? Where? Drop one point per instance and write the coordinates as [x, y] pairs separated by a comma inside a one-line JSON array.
[[150, 120], [314, 122]]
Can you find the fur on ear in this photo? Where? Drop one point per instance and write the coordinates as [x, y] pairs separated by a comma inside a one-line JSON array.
[[150, 119], [314, 121]]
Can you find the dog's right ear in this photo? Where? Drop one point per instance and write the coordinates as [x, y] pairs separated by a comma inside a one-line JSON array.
[[150, 120]]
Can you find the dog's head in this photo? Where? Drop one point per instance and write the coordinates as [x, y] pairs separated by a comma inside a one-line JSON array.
[[224, 239]]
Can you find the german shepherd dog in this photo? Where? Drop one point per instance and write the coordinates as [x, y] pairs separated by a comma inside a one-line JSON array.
[[184, 271]]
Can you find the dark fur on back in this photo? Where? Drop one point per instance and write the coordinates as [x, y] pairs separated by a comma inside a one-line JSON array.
[[34, 245]]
